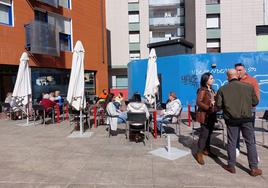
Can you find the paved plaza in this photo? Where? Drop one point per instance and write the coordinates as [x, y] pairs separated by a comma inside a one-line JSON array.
[[44, 156]]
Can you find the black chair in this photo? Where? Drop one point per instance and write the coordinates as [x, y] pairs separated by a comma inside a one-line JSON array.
[[39, 108], [137, 122], [264, 118], [173, 120]]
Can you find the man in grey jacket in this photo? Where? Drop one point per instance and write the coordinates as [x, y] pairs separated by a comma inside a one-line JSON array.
[[236, 100]]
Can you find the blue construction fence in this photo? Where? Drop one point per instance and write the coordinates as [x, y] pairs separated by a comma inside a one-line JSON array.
[[182, 73]]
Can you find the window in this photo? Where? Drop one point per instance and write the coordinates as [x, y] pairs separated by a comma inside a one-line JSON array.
[[134, 38], [133, 17], [213, 21], [213, 46], [121, 81], [134, 55], [65, 3], [63, 25], [65, 42], [6, 12], [208, 2]]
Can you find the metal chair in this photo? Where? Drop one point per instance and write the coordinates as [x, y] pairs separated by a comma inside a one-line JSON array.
[[173, 120], [39, 108], [264, 118], [137, 122]]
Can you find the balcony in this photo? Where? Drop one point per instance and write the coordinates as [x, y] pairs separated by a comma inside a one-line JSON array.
[[54, 3], [42, 38], [159, 39], [166, 21], [165, 2]]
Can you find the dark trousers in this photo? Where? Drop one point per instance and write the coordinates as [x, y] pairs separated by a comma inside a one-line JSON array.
[[204, 138], [238, 138], [247, 130]]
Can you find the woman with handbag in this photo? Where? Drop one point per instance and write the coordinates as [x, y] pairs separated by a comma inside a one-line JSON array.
[[206, 116]]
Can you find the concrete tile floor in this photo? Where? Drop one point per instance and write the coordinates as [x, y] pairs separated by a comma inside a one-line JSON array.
[[44, 157]]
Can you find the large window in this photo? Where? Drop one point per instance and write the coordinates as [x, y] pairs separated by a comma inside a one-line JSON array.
[[6, 12], [213, 21], [63, 25]]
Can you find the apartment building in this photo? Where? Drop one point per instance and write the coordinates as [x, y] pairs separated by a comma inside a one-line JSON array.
[[224, 25], [132, 24], [48, 30]]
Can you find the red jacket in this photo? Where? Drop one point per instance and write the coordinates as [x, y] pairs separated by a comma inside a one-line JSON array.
[[47, 104]]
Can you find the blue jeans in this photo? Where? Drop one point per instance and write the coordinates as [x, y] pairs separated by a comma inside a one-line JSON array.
[[122, 117], [161, 120]]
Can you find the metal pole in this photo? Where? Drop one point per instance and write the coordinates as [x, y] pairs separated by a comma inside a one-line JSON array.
[[27, 114], [81, 123]]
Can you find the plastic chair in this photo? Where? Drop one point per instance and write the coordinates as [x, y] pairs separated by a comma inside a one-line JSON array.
[[137, 122]]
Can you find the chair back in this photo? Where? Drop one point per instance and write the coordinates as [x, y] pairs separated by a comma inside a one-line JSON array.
[[38, 107], [135, 117], [265, 115]]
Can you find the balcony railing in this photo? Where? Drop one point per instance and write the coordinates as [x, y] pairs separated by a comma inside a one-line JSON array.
[[166, 21], [159, 39], [42, 38], [165, 2]]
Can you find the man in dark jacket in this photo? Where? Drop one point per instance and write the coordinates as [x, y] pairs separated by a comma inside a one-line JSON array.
[[236, 100]]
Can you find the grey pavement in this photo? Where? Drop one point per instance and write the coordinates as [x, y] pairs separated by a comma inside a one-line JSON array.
[[44, 157]]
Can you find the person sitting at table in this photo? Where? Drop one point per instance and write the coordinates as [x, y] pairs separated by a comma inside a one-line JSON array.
[[173, 107], [118, 100], [112, 111], [137, 106], [58, 99], [48, 104]]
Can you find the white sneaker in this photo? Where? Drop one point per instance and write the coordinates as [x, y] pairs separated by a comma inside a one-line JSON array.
[[237, 152], [259, 159]]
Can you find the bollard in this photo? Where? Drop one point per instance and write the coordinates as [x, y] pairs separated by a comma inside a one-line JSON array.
[[67, 112], [168, 143], [58, 112], [95, 116], [155, 127], [189, 115]]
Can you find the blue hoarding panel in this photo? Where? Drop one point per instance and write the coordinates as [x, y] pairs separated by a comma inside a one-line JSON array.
[[182, 73]]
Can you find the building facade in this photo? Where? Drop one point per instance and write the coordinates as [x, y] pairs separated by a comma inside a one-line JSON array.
[[127, 37], [132, 24], [224, 26], [48, 30]]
